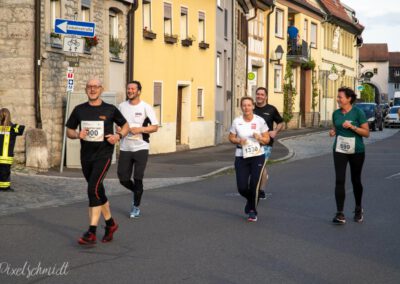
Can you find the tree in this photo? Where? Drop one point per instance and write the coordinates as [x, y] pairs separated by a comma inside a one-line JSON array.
[[368, 94]]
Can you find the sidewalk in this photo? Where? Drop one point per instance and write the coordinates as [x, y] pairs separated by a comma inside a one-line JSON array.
[[193, 163]]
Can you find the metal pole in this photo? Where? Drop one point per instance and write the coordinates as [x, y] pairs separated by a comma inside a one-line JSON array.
[[326, 96], [65, 132]]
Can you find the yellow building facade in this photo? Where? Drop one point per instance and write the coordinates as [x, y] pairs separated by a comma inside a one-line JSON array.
[[307, 19], [175, 62]]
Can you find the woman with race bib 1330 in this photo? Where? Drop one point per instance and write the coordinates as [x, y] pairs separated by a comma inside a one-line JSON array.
[[248, 132], [349, 127]]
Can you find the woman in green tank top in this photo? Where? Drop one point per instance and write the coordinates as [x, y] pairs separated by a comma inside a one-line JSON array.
[[349, 127]]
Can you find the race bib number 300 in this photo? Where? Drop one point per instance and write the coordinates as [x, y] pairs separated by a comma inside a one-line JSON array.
[[251, 149], [95, 130], [346, 145]]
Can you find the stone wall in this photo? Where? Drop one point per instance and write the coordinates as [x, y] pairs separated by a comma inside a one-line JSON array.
[[17, 70], [16, 64]]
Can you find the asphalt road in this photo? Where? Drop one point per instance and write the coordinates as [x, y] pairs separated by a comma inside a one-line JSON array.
[[197, 232]]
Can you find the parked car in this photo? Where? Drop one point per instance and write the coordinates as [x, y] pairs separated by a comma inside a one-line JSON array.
[[373, 114], [393, 117]]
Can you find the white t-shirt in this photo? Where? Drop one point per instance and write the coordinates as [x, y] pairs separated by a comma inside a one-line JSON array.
[[137, 116], [246, 130]]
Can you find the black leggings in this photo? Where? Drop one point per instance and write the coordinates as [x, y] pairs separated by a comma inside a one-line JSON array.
[[248, 176], [95, 171], [356, 162], [126, 162]]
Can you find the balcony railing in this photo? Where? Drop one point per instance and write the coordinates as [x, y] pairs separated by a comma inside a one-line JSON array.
[[297, 53]]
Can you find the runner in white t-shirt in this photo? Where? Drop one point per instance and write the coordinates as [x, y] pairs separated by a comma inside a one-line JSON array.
[[134, 148], [249, 132]]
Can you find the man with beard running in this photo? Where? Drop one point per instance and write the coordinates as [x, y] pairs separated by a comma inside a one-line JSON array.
[[270, 114], [135, 146]]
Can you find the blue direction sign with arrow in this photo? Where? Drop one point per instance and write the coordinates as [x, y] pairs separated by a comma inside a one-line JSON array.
[[69, 27]]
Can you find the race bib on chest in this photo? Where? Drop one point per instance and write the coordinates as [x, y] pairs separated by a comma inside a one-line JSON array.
[[131, 136], [346, 145], [95, 130], [251, 149]]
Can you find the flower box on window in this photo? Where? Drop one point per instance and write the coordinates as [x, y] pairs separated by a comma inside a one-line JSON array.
[[148, 34], [55, 40], [204, 45], [170, 39], [187, 42]]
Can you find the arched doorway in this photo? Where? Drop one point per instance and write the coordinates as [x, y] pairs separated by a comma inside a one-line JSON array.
[[377, 92]]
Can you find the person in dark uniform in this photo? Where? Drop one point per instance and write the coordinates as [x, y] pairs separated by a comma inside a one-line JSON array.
[[95, 120], [8, 135], [271, 116]]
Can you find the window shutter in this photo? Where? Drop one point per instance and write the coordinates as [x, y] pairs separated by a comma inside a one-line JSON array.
[[184, 11], [157, 94], [86, 3], [202, 16], [167, 11]]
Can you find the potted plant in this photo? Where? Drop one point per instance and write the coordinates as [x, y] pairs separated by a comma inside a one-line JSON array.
[[204, 45], [116, 47], [188, 41], [91, 42], [309, 65], [170, 39], [149, 34], [55, 40]]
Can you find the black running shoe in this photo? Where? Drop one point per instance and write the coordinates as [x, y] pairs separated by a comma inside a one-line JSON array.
[[87, 239], [339, 219], [261, 194], [358, 215], [252, 216]]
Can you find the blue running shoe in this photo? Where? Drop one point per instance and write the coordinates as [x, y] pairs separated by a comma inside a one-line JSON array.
[[135, 212]]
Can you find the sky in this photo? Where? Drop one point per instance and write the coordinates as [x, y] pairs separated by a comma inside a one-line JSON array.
[[381, 20]]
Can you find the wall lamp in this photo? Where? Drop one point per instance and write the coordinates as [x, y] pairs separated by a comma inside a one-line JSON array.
[[278, 54]]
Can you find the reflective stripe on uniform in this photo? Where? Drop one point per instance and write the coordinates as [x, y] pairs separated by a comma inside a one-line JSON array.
[[16, 128], [4, 184], [6, 143], [6, 160]]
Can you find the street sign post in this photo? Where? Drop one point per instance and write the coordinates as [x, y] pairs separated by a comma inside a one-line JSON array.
[[73, 44], [70, 89], [69, 27]]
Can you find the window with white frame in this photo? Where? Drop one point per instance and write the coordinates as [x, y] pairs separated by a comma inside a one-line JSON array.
[[184, 23], [200, 102], [55, 12], [113, 24], [279, 23], [218, 69], [202, 27], [147, 15], [305, 30], [396, 86], [226, 23], [85, 10], [294, 77], [278, 78], [397, 73], [157, 100], [167, 19], [313, 37]]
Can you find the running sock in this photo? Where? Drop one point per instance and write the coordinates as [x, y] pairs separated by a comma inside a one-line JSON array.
[[110, 222], [92, 229]]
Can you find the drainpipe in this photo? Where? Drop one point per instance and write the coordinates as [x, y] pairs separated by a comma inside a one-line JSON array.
[[247, 40], [233, 81], [37, 64], [268, 47], [131, 42]]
